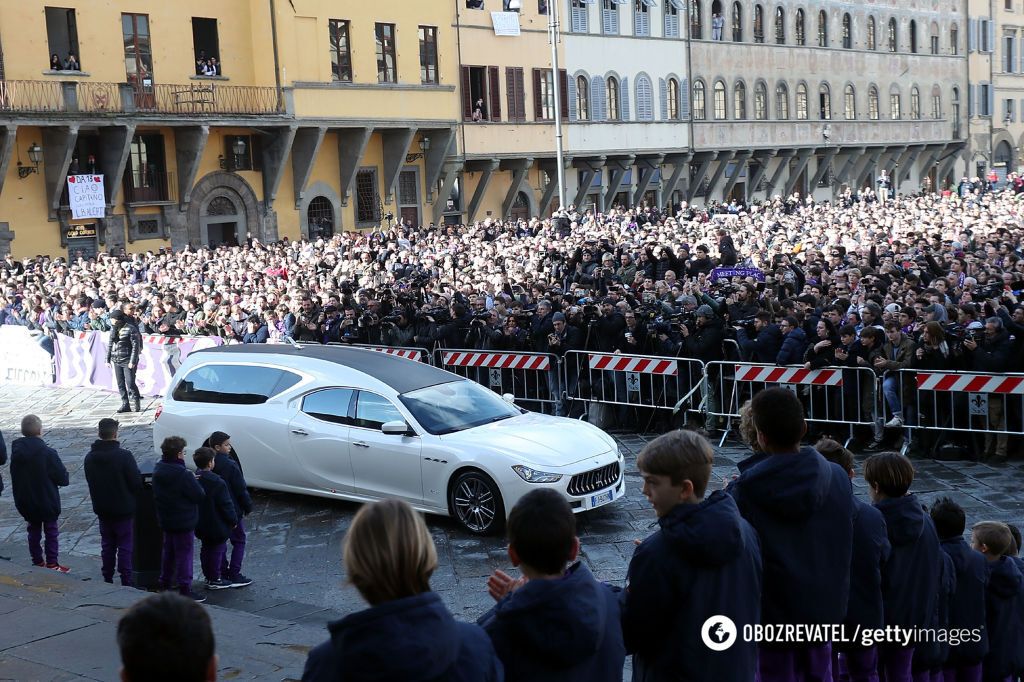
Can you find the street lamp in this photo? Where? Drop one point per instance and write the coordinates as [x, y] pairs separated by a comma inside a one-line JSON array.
[[35, 155]]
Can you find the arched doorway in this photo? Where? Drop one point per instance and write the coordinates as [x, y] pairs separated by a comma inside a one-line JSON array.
[[320, 218], [222, 223], [521, 207], [1004, 154]]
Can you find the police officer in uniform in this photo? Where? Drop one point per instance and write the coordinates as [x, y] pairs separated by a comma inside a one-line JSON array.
[[123, 351]]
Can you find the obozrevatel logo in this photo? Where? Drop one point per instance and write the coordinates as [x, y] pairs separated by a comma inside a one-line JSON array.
[[718, 633]]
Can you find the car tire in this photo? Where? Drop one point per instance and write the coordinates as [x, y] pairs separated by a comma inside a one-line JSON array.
[[475, 502]]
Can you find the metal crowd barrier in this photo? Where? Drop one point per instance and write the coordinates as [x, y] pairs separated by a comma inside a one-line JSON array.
[[530, 377], [658, 382], [835, 395], [407, 352]]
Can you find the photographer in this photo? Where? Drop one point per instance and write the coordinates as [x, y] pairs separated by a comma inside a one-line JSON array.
[[743, 304], [485, 331], [634, 339], [397, 328], [608, 327], [308, 320], [256, 330], [540, 325], [992, 354], [562, 339], [331, 325], [766, 342]]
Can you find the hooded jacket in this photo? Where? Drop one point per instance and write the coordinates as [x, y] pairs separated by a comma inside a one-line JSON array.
[[1001, 599], [114, 480], [217, 513], [967, 606], [871, 550], [36, 473], [793, 346], [932, 655], [176, 495], [910, 580], [704, 561], [789, 498], [228, 468], [413, 639], [560, 630]]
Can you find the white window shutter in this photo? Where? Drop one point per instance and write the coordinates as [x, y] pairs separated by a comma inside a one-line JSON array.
[[571, 95], [991, 26], [663, 99], [624, 99], [597, 94], [991, 99], [684, 99], [971, 104]]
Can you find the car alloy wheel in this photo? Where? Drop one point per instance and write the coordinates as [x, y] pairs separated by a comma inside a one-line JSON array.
[[476, 503]]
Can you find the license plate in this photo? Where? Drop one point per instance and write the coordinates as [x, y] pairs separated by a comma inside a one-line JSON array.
[[604, 497]]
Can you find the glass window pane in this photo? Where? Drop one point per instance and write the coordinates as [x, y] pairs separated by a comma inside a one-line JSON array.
[[373, 411], [234, 384], [330, 405]]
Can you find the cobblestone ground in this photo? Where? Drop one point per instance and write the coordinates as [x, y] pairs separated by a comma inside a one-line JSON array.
[[294, 542]]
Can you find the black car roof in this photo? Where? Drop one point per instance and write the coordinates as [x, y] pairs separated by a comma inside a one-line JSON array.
[[400, 374]]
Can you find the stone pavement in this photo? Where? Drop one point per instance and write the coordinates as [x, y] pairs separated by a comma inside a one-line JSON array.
[[294, 543]]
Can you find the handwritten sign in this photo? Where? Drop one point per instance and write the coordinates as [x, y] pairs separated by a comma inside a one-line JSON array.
[[505, 23], [85, 194], [719, 273]]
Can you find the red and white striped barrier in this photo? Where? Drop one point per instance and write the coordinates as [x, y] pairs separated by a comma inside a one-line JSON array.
[[160, 340], [626, 363], [407, 353], [496, 360], [789, 375], [970, 383]]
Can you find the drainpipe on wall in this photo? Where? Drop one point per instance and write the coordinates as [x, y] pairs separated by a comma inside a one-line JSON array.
[[277, 62]]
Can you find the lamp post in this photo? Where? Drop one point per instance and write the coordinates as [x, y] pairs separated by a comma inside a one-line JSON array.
[[556, 83]]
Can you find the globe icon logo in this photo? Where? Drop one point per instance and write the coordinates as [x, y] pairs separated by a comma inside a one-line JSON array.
[[718, 633]]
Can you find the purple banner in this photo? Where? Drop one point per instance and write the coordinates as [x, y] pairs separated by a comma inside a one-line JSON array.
[[81, 361], [721, 273]]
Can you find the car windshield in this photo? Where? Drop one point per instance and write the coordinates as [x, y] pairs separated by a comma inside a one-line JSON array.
[[456, 406]]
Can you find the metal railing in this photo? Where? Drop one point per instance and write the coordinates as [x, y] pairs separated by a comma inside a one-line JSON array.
[[141, 186], [99, 98], [32, 96], [206, 98]]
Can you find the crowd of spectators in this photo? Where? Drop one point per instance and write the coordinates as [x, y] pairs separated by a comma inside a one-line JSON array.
[[925, 281]]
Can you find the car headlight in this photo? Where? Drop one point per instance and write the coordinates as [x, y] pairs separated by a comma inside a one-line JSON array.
[[533, 476]]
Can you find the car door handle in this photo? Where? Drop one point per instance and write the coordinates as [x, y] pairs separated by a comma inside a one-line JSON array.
[[360, 444], [299, 432]]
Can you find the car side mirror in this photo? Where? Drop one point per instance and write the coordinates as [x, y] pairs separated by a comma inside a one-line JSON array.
[[509, 398], [395, 428]]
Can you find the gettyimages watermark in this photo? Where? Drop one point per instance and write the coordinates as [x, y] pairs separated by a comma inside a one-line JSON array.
[[720, 633]]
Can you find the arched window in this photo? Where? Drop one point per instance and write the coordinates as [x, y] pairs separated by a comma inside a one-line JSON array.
[[895, 108], [955, 112], [822, 29], [673, 99], [870, 34], [915, 103], [582, 98], [696, 25], [847, 31], [801, 28], [824, 102], [737, 22], [892, 38], [801, 102], [913, 36], [936, 102], [782, 102], [758, 24], [320, 218], [954, 39], [780, 26], [872, 103], [719, 101], [761, 102], [612, 99], [933, 39], [739, 101], [644, 98], [700, 110], [849, 103]]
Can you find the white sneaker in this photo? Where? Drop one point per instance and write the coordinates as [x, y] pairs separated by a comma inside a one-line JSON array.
[[895, 423]]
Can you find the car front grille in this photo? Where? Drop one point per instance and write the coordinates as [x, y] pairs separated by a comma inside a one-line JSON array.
[[594, 480]]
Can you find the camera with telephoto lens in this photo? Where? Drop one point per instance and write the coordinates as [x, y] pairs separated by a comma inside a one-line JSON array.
[[956, 334], [747, 324], [988, 291], [392, 319], [480, 319]]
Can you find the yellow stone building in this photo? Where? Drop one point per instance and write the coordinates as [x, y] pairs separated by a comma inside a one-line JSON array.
[[212, 122]]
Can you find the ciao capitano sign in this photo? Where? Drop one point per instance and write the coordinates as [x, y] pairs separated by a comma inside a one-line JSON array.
[[86, 196]]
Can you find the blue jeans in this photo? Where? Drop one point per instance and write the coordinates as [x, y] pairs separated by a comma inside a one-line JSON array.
[[891, 390]]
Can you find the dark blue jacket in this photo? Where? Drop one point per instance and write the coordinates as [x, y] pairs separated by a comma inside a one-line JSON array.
[[788, 499], [36, 473], [870, 552], [114, 480], [1018, 613], [967, 607], [762, 348], [225, 467], [3, 458], [217, 514], [412, 639], [910, 579], [560, 630], [705, 561], [932, 655], [793, 347], [1001, 600], [176, 494]]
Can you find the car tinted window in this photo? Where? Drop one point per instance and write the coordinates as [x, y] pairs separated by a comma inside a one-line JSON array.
[[330, 405], [373, 411], [233, 384]]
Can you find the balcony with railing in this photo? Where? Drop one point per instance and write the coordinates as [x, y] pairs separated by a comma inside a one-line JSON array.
[[148, 186], [190, 99]]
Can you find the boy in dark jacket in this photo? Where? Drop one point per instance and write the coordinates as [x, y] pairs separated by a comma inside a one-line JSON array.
[[36, 473], [792, 494], [227, 466], [217, 516], [994, 540], [910, 579], [557, 623], [967, 606], [176, 496], [114, 481], [702, 568], [852, 660]]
